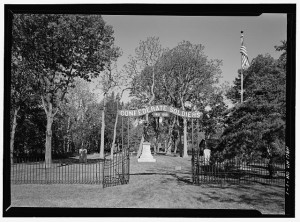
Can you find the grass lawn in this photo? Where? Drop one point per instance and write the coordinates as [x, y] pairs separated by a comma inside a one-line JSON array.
[[154, 185]]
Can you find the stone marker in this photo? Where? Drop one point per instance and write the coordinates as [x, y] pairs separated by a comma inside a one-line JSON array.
[[146, 153], [82, 155], [206, 156]]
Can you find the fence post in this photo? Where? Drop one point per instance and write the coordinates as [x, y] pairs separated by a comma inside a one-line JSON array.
[[45, 168], [193, 174]]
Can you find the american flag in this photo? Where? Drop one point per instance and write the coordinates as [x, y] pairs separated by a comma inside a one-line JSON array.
[[245, 60]]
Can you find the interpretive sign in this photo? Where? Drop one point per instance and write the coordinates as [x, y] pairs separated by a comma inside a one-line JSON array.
[[161, 108]]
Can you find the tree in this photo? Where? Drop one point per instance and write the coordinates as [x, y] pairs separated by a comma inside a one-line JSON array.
[[21, 92], [111, 79], [146, 56], [30, 133], [111, 118], [58, 48], [183, 74], [79, 114], [118, 98], [282, 58], [187, 76], [256, 128], [213, 118], [142, 87]]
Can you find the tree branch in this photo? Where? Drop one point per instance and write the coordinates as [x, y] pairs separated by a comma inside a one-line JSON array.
[[44, 105], [55, 112], [152, 87]]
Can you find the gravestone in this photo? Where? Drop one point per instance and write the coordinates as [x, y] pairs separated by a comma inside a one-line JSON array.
[[206, 156], [82, 155]]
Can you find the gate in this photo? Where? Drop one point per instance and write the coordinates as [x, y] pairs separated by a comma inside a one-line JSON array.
[[116, 166], [116, 169]]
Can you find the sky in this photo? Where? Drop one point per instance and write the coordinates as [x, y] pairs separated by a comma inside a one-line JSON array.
[[220, 36]]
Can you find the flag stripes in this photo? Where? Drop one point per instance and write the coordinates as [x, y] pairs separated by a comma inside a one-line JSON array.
[[245, 60]]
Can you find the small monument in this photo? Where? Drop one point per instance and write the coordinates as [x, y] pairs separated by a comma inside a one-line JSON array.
[[206, 153], [82, 155], [146, 155]]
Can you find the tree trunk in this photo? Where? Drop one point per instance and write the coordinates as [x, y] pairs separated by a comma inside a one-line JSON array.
[[155, 145], [140, 148], [114, 137], [103, 129], [48, 155], [12, 135], [50, 116], [102, 136], [176, 145], [177, 142], [68, 135], [169, 146], [155, 140], [64, 146], [185, 154]]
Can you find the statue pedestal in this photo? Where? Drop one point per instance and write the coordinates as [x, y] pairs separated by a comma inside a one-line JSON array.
[[146, 154]]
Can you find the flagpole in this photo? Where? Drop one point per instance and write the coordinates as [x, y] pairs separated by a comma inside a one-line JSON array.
[[242, 80]]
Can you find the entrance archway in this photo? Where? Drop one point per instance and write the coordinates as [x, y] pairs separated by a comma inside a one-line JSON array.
[[164, 111]]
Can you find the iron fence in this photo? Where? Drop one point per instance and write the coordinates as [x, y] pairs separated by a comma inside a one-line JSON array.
[[236, 171], [64, 171]]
